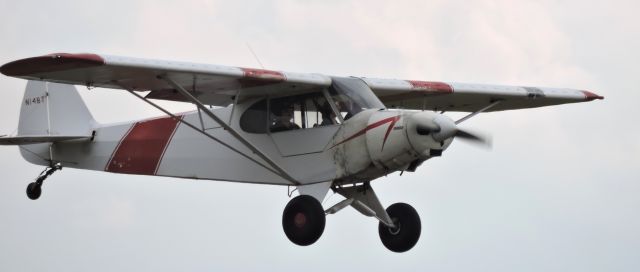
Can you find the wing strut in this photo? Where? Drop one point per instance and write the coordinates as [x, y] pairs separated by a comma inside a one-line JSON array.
[[231, 131], [493, 104], [181, 120]]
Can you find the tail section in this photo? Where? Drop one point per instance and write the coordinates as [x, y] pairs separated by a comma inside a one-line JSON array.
[[53, 109], [50, 112]]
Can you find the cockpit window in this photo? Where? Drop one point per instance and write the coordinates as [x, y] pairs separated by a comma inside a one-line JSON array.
[[288, 113], [254, 120], [310, 110], [352, 96], [300, 112]]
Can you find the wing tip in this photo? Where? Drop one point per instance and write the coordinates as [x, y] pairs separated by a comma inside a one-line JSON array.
[[50, 63], [590, 96]]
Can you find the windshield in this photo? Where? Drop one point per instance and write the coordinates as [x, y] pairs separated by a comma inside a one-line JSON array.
[[352, 96]]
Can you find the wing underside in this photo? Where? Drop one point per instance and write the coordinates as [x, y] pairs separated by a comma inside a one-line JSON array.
[[462, 97], [212, 84], [220, 85]]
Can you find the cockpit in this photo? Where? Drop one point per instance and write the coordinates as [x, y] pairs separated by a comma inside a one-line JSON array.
[[333, 105]]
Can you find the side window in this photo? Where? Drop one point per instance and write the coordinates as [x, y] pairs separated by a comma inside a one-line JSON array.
[[285, 114], [319, 113], [288, 113], [352, 95], [347, 106], [254, 120], [300, 112]]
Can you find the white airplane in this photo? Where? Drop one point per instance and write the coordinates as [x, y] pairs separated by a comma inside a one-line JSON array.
[[311, 131]]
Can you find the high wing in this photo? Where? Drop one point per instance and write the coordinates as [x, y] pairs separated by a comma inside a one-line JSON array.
[[219, 85], [463, 97], [211, 84]]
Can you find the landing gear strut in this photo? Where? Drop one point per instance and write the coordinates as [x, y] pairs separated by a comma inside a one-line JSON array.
[[34, 189], [399, 225], [303, 220]]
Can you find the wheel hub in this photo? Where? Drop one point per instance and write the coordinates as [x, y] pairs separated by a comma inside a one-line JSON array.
[[396, 230], [299, 220]]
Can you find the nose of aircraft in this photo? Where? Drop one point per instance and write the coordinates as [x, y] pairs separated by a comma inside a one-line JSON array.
[[442, 127]]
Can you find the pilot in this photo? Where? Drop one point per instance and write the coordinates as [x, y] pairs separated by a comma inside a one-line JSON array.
[[328, 116], [347, 107], [283, 119]]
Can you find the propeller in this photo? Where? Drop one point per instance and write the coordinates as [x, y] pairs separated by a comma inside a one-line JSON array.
[[441, 128]]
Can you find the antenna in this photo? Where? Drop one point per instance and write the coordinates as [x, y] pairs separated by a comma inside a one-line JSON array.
[[254, 55]]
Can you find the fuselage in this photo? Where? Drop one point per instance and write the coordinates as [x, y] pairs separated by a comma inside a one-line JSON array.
[[370, 144]]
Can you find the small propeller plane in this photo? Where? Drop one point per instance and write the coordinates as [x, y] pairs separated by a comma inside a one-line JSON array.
[[310, 131]]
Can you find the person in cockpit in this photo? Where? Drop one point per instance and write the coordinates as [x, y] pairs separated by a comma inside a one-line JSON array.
[[283, 119]]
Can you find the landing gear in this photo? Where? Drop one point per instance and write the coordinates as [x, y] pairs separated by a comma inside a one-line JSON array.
[[399, 226], [406, 232], [303, 220], [34, 189]]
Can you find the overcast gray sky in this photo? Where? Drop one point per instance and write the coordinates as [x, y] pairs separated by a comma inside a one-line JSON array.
[[558, 192]]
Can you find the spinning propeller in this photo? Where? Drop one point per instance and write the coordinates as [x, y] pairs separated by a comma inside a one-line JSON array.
[[442, 128]]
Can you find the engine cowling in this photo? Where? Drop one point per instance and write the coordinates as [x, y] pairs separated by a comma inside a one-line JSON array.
[[395, 143]]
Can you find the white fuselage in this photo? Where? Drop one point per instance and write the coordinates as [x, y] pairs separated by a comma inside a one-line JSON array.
[[371, 144]]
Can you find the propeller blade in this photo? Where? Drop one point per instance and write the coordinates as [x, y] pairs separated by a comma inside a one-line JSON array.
[[427, 128], [474, 138], [441, 128]]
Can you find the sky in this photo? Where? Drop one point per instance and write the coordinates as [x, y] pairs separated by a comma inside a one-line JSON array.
[[558, 191]]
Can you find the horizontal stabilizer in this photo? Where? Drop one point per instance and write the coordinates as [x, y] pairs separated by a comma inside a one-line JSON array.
[[37, 139]]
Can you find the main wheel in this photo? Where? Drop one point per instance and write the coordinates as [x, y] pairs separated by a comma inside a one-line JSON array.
[[407, 231], [34, 191], [303, 220]]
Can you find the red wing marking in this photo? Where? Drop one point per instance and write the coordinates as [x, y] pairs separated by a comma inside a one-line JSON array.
[[263, 74], [259, 77], [433, 86], [589, 96], [50, 63], [391, 120], [142, 148]]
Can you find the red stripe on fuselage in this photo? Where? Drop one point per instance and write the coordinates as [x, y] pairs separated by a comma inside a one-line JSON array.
[[142, 148], [393, 120]]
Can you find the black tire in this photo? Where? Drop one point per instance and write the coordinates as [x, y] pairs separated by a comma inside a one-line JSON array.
[[407, 231], [303, 220], [34, 191]]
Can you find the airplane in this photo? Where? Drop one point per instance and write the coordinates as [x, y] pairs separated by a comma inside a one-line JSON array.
[[310, 131]]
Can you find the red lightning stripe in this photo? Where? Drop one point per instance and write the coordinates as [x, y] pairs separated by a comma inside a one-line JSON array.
[[391, 120]]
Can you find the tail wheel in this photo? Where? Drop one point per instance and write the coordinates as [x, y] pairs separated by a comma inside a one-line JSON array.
[[34, 190], [406, 233], [303, 220]]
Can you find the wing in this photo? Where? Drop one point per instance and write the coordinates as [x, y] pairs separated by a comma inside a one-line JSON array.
[[219, 85], [211, 84], [443, 96]]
